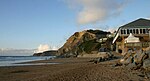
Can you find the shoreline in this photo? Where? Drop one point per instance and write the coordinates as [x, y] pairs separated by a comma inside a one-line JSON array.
[[22, 60], [69, 69]]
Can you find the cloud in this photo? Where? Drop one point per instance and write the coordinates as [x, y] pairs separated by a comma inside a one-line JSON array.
[[16, 52], [42, 48], [149, 18], [54, 48], [111, 30], [25, 52], [93, 11], [45, 47]]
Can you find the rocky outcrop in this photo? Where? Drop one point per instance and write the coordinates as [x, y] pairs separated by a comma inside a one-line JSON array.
[[104, 56], [82, 42], [47, 53], [137, 60]]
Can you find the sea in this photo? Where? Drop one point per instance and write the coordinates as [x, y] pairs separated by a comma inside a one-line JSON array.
[[18, 60]]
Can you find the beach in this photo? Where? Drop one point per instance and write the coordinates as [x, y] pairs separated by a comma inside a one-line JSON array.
[[70, 69]]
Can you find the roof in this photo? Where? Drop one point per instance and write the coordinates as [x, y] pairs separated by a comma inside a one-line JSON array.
[[137, 23], [141, 22]]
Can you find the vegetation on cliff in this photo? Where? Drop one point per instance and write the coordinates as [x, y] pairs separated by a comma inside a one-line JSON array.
[[83, 42]]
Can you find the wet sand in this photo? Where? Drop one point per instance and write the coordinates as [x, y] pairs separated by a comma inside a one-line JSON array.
[[70, 69]]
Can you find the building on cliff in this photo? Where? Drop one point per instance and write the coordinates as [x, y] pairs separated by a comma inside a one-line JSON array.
[[134, 35]]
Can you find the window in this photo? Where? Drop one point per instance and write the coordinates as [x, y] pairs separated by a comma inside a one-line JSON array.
[[133, 31], [140, 31], [124, 31], [147, 31], [121, 31], [144, 31], [137, 31], [127, 31]]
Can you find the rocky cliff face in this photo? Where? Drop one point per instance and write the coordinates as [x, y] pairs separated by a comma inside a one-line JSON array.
[[82, 42]]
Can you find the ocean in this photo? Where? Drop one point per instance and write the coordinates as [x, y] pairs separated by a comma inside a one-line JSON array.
[[17, 60]]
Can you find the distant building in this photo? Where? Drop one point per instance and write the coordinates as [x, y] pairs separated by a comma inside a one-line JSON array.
[[134, 35]]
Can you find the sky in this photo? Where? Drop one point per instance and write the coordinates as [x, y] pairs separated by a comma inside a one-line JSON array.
[[34, 24]]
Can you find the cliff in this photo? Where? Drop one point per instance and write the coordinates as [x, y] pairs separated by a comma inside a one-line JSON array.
[[82, 42], [47, 53]]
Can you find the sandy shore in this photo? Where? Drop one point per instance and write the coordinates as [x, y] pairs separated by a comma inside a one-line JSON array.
[[70, 69]]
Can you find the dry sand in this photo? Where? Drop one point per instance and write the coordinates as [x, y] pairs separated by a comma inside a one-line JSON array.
[[70, 69]]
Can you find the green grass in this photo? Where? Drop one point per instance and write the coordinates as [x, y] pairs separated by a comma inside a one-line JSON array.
[[89, 46]]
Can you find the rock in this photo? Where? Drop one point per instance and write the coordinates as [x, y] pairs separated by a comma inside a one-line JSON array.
[[127, 60], [50, 53], [98, 60], [117, 64], [47, 53], [126, 56], [104, 56], [37, 54], [147, 74], [148, 51], [132, 66], [139, 57], [146, 64], [137, 60]]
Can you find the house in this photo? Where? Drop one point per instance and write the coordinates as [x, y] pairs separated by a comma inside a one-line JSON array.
[[134, 35]]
